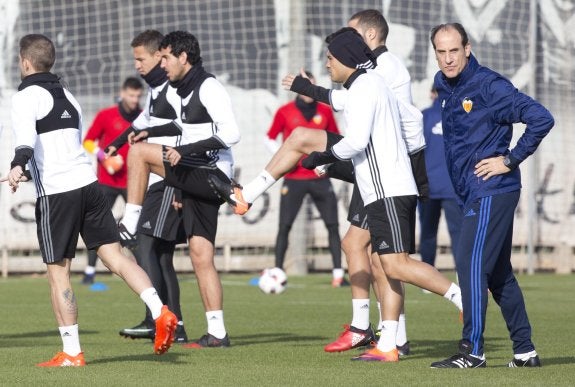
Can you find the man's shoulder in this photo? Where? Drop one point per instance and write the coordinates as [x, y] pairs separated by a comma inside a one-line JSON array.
[[489, 81], [210, 86], [371, 81], [287, 108], [29, 91], [211, 81], [391, 59], [109, 111], [323, 108], [388, 64], [485, 71], [30, 96]]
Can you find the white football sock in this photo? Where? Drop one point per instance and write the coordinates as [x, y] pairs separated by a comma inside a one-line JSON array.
[[216, 326], [131, 217], [360, 308], [386, 341], [89, 270], [454, 295], [152, 301], [380, 322], [257, 186], [401, 336], [70, 339], [337, 273]]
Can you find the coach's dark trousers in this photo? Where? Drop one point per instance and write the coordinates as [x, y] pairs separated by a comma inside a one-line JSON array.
[[484, 262]]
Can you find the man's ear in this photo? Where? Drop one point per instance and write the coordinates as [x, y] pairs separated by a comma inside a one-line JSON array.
[[371, 33], [183, 58], [26, 65]]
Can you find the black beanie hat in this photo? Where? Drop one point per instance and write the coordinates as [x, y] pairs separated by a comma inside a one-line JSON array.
[[348, 47]]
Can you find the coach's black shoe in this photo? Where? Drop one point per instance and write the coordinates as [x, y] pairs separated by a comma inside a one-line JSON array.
[[231, 192], [209, 341], [140, 331], [180, 336], [532, 361], [463, 359], [127, 239]]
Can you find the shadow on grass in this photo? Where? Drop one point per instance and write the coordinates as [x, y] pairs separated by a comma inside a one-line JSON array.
[[170, 357], [277, 337], [21, 339], [441, 349], [544, 362], [557, 360]]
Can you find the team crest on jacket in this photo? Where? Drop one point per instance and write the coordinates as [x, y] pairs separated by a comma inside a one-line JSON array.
[[317, 119], [467, 105]]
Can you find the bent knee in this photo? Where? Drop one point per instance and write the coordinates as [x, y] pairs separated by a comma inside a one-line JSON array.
[[307, 140], [392, 265], [350, 246]]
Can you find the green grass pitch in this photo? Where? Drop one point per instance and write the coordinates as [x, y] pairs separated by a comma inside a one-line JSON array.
[[277, 340]]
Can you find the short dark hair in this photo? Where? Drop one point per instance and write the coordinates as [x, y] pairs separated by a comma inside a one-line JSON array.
[[149, 39], [447, 26], [372, 18], [183, 41], [132, 83], [39, 50]]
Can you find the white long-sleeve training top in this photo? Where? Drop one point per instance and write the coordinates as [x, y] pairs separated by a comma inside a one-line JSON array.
[[217, 103], [397, 78], [374, 141], [59, 163]]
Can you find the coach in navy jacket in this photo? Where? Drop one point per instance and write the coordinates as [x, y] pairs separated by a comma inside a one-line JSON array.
[[479, 110], [485, 131]]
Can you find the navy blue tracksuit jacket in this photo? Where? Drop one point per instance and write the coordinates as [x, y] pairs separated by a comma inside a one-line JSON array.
[[479, 108]]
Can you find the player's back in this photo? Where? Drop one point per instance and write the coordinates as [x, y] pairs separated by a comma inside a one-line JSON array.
[[397, 78], [49, 122], [395, 74]]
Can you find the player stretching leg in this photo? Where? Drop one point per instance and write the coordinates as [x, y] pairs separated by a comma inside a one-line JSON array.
[[47, 127], [208, 129]]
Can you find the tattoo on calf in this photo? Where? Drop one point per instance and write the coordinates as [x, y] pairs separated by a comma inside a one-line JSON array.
[[70, 301]]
